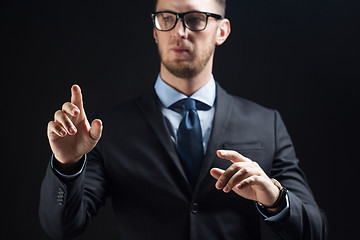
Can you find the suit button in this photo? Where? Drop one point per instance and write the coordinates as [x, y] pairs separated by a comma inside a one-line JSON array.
[[61, 192], [60, 201], [195, 208]]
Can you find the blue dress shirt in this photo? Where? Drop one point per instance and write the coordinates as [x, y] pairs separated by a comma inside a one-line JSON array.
[[168, 96]]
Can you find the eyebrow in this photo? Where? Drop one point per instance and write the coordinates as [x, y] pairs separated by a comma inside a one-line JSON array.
[[193, 10]]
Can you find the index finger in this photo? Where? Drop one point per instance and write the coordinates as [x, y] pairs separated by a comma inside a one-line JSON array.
[[76, 96], [232, 155]]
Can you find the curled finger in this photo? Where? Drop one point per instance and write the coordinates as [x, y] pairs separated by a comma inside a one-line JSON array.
[[61, 118], [55, 130], [239, 176], [250, 181], [71, 109], [228, 174]]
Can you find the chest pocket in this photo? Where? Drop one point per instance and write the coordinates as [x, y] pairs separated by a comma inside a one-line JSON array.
[[243, 147], [252, 150]]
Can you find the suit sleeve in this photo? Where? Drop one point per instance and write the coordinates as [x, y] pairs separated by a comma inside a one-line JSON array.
[[305, 220], [68, 204]]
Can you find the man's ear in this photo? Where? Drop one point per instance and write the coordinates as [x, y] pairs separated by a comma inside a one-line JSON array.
[[223, 31], [155, 35]]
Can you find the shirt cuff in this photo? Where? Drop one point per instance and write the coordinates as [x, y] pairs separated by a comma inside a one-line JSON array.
[[66, 176], [278, 217]]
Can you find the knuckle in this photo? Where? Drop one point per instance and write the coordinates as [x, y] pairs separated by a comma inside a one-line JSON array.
[[256, 164], [236, 166], [229, 172], [234, 154], [57, 114], [225, 178], [238, 155], [62, 118], [51, 126], [231, 183], [247, 159], [245, 182], [234, 180], [244, 170], [66, 106], [248, 181], [255, 178], [222, 178], [231, 154]]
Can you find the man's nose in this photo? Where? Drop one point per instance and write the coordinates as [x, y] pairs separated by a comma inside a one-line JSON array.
[[180, 31]]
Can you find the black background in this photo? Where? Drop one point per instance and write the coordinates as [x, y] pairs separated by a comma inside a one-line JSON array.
[[299, 57]]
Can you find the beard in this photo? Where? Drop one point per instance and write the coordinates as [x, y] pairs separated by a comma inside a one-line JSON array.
[[190, 67]]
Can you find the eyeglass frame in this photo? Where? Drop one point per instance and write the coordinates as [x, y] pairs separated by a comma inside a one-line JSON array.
[[181, 15]]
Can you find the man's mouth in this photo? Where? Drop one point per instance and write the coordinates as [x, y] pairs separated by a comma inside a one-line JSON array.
[[179, 50]]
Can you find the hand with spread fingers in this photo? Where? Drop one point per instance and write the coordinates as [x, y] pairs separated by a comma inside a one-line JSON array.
[[70, 134], [246, 178]]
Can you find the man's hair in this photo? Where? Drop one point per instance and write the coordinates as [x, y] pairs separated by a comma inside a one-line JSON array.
[[221, 3]]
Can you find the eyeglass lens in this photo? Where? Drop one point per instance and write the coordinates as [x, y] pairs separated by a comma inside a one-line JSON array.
[[194, 21]]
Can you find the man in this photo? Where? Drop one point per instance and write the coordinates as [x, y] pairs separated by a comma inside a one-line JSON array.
[[162, 157]]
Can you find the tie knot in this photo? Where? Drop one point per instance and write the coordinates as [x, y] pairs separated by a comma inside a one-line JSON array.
[[188, 104]]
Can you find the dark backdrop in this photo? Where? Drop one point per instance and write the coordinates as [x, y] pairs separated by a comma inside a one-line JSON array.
[[299, 57]]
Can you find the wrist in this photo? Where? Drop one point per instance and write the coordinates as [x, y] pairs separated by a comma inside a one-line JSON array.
[[280, 202], [68, 168], [273, 211]]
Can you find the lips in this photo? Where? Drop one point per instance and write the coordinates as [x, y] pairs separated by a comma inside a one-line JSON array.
[[179, 50]]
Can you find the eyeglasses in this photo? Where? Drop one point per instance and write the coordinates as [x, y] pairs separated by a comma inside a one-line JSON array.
[[194, 20]]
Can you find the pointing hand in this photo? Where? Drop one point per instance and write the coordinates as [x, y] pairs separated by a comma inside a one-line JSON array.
[[70, 134]]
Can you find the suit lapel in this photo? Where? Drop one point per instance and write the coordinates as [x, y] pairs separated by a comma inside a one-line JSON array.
[[150, 106], [223, 107]]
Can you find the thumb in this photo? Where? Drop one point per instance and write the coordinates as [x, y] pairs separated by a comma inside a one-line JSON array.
[[96, 130], [232, 155]]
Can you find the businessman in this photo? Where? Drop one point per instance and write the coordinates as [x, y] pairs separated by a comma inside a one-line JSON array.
[[186, 160]]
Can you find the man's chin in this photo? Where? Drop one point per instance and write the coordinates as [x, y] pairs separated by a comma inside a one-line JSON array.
[[182, 70]]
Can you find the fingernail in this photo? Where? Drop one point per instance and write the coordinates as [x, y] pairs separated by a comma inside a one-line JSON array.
[[75, 111], [226, 188], [218, 185], [62, 133], [72, 129]]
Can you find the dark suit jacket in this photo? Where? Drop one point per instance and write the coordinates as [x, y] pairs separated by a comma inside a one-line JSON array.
[[136, 164]]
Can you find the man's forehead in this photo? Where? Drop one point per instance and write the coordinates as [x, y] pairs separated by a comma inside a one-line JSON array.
[[186, 5]]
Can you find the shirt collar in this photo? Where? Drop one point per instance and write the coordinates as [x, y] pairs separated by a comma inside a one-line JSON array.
[[169, 95]]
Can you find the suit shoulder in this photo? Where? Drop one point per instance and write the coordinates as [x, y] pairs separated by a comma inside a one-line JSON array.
[[120, 109], [128, 109]]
